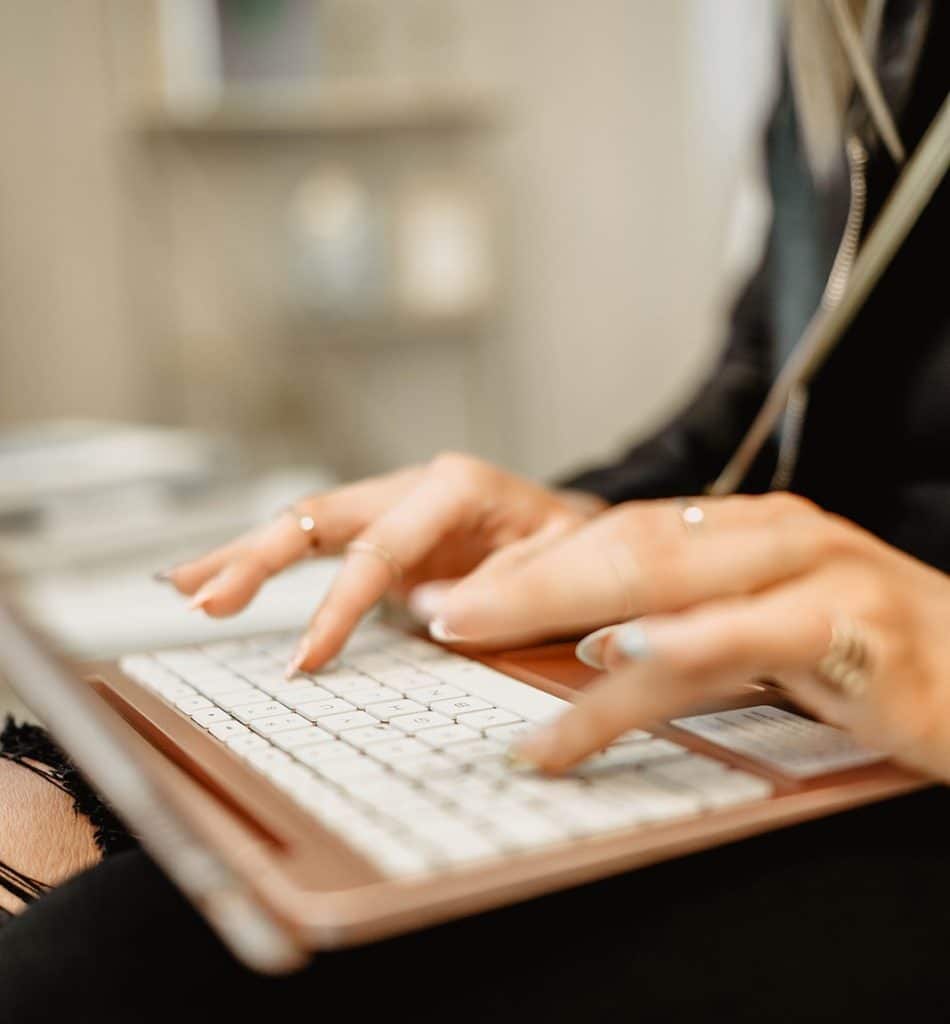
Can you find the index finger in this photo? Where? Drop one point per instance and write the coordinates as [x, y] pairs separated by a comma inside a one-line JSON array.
[[392, 544]]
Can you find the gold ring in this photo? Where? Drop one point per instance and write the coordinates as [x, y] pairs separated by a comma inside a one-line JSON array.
[[367, 547], [692, 515], [305, 523], [845, 666]]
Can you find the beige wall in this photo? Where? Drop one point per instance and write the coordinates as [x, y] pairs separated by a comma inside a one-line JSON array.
[[127, 286]]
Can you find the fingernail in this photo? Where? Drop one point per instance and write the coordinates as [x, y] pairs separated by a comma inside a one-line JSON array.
[[299, 656], [204, 595], [532, 751], [632, 641], [425, 601], [590, 649], [163, 576], [438, 630], [517, 762]]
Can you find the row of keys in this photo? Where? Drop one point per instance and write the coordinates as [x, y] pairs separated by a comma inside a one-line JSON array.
[[399, 747]]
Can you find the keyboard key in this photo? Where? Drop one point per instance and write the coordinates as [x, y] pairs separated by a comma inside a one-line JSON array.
[[509, 733], [455, 706], [370, 662], [316, 710], [427, 766], [369, 735], [341, 768], [446, 735], [630, 755], [407, 678], [487, 719], [715, 789], [516, 826], [295, 738], [248, 713], [228, 730], [295, 696], [453, 841], [394, 751], [341, 723], [342, 683], [376, 695], [236, 699], [476, 750], [390, 708], [265, 758], [430, 694], [460, 787], [192, 703], [411, 724], [241, 743], [208, 716], [278, 723], [320, 753], [216, 681]]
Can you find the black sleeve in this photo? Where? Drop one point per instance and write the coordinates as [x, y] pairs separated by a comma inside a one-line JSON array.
[[693, 447]]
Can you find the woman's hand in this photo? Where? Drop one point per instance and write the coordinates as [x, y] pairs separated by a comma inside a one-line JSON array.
[[424, 523], [744, 588]]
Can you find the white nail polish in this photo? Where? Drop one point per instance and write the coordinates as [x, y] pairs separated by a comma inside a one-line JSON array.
[[588, 650], [439, 631], [425, 601], [632, 641]]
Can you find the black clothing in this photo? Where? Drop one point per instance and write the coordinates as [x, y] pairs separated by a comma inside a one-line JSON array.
[[839, 920], [877, 434]]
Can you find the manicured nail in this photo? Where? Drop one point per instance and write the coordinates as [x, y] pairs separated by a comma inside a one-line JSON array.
[[204, 595], [438, 630], [299, 657], [632, 641], [590, 649], [426, 601], [518, 763], [163, 576]]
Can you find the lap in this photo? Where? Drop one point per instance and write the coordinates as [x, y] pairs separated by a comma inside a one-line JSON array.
[[839, 919]]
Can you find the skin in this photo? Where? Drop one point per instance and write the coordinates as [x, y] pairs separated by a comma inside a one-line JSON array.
[[40, 833], [751, 592]]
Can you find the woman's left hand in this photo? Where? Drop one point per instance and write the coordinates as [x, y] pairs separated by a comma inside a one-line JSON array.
[[726, 591]]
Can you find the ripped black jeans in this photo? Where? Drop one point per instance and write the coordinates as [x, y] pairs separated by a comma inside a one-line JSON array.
[[31, 747]]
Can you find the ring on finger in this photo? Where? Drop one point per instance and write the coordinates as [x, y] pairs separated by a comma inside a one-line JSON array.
[[368, 547], [305, 523], [846, 665], [691, 514]]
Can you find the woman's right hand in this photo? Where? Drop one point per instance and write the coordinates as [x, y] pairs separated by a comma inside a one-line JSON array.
[[436, 522]]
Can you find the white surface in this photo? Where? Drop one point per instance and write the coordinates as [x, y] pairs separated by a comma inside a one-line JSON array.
[[98, 615]]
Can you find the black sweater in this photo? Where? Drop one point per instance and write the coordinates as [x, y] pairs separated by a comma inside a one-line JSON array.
[[875, 445]]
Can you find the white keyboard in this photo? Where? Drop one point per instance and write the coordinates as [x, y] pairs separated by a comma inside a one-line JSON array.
[[399, 747]]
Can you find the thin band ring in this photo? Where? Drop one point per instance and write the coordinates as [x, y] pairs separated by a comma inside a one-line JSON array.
[[305, 523], [846, 665], [367, 547], [692, 514]]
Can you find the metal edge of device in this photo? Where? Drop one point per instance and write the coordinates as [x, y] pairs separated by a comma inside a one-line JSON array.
[[92, 734]]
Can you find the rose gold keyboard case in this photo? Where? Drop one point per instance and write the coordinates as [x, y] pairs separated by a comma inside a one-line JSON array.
[[330, 897]]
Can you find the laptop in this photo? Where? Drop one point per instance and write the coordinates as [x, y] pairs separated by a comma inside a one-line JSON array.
[[373, 797]]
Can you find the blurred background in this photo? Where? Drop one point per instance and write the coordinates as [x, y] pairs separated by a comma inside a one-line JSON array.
[[250, 247]]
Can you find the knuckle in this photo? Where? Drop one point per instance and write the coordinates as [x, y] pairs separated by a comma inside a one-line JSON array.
[[784, 505], [456, 463]]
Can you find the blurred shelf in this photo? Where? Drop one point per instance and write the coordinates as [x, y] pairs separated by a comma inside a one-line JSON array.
[[331, 108], [384, 331]]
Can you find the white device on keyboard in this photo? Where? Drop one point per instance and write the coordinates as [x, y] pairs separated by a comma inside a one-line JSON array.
[[374, 796]]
